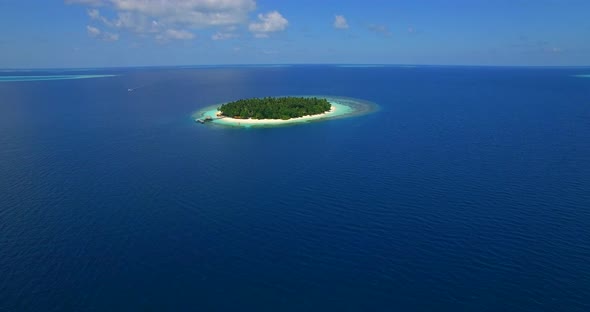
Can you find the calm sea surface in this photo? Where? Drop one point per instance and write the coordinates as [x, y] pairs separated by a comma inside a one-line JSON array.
[[469, 190]]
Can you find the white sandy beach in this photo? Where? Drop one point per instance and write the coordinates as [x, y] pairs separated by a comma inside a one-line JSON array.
[[276, 121]]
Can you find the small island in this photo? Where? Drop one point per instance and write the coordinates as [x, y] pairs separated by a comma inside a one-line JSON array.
[[282, 111], [282, 108]]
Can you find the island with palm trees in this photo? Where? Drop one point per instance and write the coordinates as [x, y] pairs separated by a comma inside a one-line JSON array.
[[280, 108], [283, 110]]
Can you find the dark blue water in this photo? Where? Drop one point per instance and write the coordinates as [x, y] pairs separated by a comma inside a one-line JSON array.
[[468, 191]]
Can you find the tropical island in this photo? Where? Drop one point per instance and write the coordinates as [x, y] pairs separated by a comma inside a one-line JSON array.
[[282, 111], [283, 108]]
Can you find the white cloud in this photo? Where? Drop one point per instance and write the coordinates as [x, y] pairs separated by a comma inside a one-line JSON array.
[[160, 18], [93, 13], [176, 34], [223, 35], [380, 29], [340, 22], [94, 32], [189, 12], [110, 37], [86, 2], [268, 23]]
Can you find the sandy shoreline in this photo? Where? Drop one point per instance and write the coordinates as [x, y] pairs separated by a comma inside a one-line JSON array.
[[276, 121]]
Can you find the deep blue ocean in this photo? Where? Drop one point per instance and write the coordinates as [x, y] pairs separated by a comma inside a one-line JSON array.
[[469, 190]]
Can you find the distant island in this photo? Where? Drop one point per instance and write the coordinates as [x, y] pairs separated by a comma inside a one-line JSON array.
[[282, 111], [283, 108]]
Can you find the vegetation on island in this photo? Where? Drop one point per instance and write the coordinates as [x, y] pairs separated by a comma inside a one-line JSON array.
[[275, 107]]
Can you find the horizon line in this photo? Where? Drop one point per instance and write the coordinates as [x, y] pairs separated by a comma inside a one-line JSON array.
[[283, 64]]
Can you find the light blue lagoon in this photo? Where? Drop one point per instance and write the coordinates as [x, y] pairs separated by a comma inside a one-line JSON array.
[[49, 77]]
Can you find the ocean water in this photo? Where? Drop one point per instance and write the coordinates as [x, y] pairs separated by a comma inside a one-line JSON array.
[[469, 190], [47, 77]]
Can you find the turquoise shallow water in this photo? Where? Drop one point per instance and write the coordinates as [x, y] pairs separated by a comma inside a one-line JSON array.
[[345, 107], [49, 77]]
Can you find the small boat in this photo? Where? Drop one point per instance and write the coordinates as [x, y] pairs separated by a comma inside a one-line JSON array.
[[130, 90]]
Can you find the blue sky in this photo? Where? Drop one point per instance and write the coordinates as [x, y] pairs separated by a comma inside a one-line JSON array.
[[97, 33]]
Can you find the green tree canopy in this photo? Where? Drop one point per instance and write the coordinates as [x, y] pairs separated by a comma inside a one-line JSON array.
[[275, 107]]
